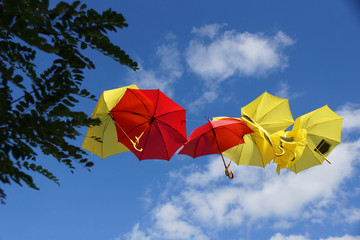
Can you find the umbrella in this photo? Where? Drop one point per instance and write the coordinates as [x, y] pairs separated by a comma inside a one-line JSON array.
[[293, 143], [257, 150], [270, 112], [102, 139], [265, 115], [214, 137], [150, 124], [323, 127]]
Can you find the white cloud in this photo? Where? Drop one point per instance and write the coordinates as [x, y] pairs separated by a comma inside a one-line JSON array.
[[214, 202], [170, 64], [227, 54], [279, 236], [210, 30], [146, 199], [136, 234], [202, 177], [351, 114], [232, 54], [345, 237], [283, 90], [205, 98], [351, 215], [169, 224], [283, 224], [255, 195], [165, 75], [237, 54]]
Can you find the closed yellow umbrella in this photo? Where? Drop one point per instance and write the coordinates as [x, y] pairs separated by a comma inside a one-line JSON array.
[[102, 140], [265, 115], [323, 134], [293, 143]]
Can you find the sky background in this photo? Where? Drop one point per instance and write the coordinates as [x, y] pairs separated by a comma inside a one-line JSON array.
[[213, 57]]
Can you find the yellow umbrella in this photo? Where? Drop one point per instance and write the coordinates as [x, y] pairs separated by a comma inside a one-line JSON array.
[[258, 149], [323, 134], [270, 112], [293, 143], [265, 115], [102, 140]]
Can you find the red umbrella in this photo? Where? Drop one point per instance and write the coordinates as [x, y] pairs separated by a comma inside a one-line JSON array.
[[150, 124], [215, 137]]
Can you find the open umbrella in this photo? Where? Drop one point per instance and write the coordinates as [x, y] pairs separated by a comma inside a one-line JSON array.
[[102, 140], [323, 127], [257, 150], [214, 137], [150, 124], [270, 112], [265, 115]]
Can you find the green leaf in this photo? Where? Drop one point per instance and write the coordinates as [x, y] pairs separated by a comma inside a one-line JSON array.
[[89, 164], [15, 153], [75, 4], [72, 99], [32, 166], [44, 4], [83, 45], [68, 103], [29, 98], [66, 161], [39, 168], [26, 164], [17, 79], [83, 6], [20, 108]]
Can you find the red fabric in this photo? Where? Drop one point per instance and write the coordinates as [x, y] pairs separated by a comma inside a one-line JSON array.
[[215, 137], [161, 119]]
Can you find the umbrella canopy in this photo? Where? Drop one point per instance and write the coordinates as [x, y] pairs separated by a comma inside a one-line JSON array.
[[214, 137], [265, 115], [150, 124], [293, 143], [102, 140], [270, 112], [257, 150], [323, 127]]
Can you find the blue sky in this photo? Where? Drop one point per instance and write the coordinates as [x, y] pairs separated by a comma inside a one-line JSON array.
[[213, 57]]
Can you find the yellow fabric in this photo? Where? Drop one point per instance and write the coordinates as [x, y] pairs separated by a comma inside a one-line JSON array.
[[106, 131], [265, 115], [257, 149], [293, 145], [321, 124], [270, 112]]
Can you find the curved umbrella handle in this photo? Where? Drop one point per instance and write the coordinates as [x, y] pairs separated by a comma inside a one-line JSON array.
[[136, 143], [229, 174], [282, 151], [135, 147]]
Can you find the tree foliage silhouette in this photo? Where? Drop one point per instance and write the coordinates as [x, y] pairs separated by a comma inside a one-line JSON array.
[[36, 107]]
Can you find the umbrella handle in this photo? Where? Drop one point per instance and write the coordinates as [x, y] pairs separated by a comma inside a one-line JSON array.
[[229, 174], [282, 151], [135, 147], [136, 143]]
